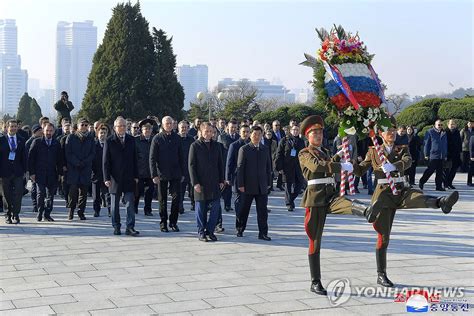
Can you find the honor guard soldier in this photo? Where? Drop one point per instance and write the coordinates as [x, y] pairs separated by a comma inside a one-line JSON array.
[[321, 196], [398, 160]]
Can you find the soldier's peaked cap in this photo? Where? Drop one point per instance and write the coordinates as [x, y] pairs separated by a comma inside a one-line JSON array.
[[311, 123]]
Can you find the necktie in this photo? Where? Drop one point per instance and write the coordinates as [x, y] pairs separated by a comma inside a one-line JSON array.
[[48, 141], [12, 143]]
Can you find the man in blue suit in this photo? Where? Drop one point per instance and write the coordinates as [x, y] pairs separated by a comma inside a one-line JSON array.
[[12, 170], [231, 164]]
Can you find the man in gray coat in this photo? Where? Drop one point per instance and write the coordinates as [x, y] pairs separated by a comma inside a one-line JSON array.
[[206, 170]]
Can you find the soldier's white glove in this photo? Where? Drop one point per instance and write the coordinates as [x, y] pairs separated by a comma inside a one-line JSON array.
[[340, 153], [388, 167], [347, 166]]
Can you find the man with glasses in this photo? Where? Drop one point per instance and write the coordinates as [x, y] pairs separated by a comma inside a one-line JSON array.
[[167, 170], [436, 151], [121, 175], [135, 131], [226, 139], [80, 152], [13, 166], [194, 130]]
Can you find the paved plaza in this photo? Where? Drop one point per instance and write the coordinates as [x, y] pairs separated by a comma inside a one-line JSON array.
[[80, 268]]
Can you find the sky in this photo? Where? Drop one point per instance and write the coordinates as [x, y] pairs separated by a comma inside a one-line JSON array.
[[419, 46]]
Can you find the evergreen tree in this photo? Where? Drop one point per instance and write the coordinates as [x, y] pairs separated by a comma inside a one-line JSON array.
[[168, 92], [24, 109], [35, 111], [122, 75]]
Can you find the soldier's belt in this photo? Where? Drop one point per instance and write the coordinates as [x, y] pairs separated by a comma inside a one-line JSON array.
[[322, 181], [396, 180]]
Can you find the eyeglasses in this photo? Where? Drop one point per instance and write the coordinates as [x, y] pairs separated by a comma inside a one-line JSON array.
[[136, 127], [84, 124]]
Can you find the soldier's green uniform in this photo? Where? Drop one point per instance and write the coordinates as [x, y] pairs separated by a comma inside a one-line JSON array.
[[407, 197], [321, 198]]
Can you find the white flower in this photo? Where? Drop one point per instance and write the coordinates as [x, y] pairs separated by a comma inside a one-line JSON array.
[[350, 131], [348, 122], [370, 116], [376, 110], [350, 111], [370, 111], [366, 122], [365, 131]]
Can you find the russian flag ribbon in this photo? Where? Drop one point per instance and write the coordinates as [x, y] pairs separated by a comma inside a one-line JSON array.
[[377, 81], [341, 82]]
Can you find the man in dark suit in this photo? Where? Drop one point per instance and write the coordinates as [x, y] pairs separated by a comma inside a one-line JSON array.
[[37, 131], [45, 166], [13, 166], [231, 164], [100, 193], [167, 170], [121, 174], [146, 187], [278, 135], [226, 139], [206, 170], [186, 141], [288, 165], [64, 187], [253, 179], [80, 152]]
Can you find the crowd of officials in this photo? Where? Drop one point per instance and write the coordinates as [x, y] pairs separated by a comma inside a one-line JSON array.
[[207, 161]]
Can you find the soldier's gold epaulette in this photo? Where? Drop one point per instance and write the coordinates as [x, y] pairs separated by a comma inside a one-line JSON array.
[[401, 146]]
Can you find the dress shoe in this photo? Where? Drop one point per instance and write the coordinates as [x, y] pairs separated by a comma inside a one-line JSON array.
[[181, 211], [81, 215], [383, 280], [212, 237], [470, 185], [240, 234], [264, 237], [203, 238], [39, 218], [49, 218], [174, 228], [16, 220], [451, 187], [148, 214], [117, 231], [131, 232], [35, 209], [219, 230], [440, 189], [291, 209], [356, 190], [164, 229], [421, 185], [108, 211], [318, 288], [8, 220], [96, 214], [446, 202]]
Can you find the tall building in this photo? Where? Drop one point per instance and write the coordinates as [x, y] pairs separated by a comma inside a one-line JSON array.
[[266, 90], [13, 79], [193, 79], [46, 102], [76, 44]]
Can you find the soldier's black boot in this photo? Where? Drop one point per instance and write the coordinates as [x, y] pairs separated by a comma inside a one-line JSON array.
[[381, 257], [445, 202], [369, 212], [315, 269]]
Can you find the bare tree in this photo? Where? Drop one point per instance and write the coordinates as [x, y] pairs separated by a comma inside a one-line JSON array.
[[397, 101]]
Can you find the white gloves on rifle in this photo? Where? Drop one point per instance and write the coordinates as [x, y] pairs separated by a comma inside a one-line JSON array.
[[388, 167], [347, 166], [340, 153]]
